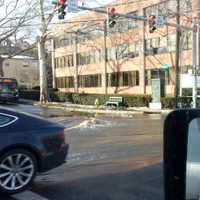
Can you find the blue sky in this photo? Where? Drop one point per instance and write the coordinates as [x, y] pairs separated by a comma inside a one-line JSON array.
[[24, 4], [91, 3]]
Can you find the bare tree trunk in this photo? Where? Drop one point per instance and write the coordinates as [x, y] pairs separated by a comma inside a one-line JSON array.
[[1, 66], [44, 96]]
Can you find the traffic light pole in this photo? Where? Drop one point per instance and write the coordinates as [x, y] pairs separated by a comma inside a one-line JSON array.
[[177, 55], [129, 16], [194, 63], [134, 17]]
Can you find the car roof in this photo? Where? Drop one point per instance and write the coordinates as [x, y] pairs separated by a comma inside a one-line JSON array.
[[28, 121], [17, 112]]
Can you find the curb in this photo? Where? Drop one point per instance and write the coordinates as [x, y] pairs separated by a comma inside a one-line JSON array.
[[91, 110]]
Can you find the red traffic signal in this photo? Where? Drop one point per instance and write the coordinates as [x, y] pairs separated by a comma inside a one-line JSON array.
[[111, 17], [61, 10], [61, 2], [111, 11], [152, 18]]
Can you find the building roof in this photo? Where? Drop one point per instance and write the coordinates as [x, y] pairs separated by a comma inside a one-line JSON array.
[[18, 57]]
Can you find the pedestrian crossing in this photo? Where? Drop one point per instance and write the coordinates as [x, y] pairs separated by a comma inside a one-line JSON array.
[[28, 195]]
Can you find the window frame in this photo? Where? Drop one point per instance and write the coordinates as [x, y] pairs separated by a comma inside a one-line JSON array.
[[10, 122]]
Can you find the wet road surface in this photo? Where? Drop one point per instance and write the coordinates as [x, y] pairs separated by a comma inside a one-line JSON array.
[[109, 159]]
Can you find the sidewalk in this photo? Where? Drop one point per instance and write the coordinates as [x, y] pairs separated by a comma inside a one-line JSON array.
[[129, 112]]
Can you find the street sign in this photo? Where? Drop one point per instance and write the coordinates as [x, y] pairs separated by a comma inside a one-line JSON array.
[[160, 21], [72, 5], [165, 66]]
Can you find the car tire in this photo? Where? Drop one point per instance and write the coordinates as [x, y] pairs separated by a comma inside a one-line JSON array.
[[18, 168]]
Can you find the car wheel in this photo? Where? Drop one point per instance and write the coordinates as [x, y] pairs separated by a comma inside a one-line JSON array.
[[17, 171]]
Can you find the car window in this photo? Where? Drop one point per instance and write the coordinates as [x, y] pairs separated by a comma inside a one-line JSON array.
[[6, 120]]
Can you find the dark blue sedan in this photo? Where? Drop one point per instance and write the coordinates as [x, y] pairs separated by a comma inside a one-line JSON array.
[[28, 145]]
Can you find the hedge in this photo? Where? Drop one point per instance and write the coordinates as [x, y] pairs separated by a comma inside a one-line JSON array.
[[184, 102], [89, 99]]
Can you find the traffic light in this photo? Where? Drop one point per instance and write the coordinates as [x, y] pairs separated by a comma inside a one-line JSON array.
[[111, 17], [152, 23], [61, 10]]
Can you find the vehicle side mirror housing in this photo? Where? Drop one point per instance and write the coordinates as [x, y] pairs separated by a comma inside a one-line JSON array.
[[182, 155]]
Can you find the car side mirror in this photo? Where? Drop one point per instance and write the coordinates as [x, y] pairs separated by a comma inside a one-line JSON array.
[[182, 155]]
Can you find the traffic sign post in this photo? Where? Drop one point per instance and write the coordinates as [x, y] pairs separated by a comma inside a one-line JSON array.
[[165, 67], [72, 5]]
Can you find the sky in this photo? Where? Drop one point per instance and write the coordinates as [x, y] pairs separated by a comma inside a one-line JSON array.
[[91, 3], [35, 30]]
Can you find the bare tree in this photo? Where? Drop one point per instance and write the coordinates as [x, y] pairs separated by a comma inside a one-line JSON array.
[[17, 20], [44, 21], [15, 15]]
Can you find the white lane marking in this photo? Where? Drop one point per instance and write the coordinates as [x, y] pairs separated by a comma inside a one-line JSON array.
[[28, 195]]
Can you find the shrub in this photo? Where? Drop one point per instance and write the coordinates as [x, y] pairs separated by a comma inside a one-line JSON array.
[[184, 102], [168, 102], [87, 99], [31, 95], [137, 100], [130, 100]]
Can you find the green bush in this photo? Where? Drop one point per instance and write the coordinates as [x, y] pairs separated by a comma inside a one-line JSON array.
[[137, 100], [87, 99], [130, 100], [31, 95], [60, 96], [168, 102], [184, 102]]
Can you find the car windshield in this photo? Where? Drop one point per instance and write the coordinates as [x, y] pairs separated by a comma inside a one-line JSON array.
[[8, 87], [107, 72], [5, 119]]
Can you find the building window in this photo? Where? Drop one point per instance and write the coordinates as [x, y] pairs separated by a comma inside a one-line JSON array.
[[123, 79], [123, 51], [25, 65], [66, 61], [188, 40], [158, 73], [158, 45], [86, 81], [56, 63], [164, 8], [86, 58], [65, 82], [172, 42], [185, 69]]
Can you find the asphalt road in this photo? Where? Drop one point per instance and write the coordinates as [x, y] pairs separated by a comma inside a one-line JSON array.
[[109, 159]]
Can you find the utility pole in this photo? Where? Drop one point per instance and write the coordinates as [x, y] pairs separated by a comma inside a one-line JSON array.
[[194, 63], [75, 53], [104, 70], [177, 56], [53, 62]]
